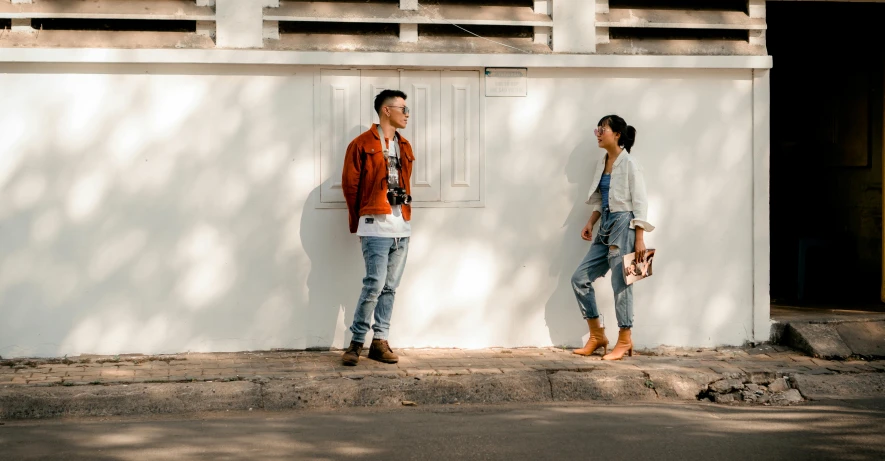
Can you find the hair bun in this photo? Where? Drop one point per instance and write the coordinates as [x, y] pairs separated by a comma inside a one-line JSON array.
[[628, 138]]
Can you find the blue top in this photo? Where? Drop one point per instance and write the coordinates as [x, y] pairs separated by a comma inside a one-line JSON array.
[[604, 186]]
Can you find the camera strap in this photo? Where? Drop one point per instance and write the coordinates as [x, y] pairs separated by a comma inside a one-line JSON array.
[[385, 149], [393, 141]]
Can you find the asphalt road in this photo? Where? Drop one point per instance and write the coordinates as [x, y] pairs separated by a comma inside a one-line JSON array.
[[846, 430]]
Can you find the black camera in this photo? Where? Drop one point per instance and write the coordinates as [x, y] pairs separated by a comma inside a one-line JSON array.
[[398, 196]]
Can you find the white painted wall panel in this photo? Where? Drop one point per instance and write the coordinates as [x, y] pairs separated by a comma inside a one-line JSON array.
[[460, 137], [340, 121], [172, 208], [423, 131]]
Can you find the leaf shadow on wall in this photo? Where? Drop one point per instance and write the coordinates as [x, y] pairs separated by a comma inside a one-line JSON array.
[[153, 230]]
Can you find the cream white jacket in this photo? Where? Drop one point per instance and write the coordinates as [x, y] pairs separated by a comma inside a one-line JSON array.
[[627, 191]]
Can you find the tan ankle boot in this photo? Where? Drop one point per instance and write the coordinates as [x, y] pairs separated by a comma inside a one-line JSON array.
[[597, 339], [380, 350], [623, 346], [351, 356]]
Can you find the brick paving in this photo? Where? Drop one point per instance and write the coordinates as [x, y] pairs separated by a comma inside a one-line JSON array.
[[190, 367]]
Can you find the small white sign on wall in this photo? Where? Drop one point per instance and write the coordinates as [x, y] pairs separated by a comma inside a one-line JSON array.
[[506, 81]]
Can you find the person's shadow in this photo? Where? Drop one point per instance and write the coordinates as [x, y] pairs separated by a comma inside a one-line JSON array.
[[336, 272], [561, 312]]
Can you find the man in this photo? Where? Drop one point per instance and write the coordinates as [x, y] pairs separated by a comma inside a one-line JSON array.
[[377, 168]]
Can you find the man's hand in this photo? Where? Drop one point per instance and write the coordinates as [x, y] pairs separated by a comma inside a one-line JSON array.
[[587, 232], [640, 251]]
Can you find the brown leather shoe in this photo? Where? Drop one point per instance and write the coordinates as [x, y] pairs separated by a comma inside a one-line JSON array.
[[352, 355], [381, 351]]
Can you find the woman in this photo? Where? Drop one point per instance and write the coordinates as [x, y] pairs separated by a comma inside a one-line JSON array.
[[620, 205]]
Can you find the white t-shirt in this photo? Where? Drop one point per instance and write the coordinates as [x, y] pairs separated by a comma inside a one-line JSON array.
[[391, 225], [385, 225]]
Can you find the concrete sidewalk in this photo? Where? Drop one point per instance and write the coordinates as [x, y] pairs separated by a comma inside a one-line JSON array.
[[180, 383]]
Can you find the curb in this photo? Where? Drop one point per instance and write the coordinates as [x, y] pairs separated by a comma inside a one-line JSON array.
[[833, 340], [596, 385]]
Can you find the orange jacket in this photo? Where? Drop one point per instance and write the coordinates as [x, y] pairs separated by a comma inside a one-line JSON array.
[[364, 177]]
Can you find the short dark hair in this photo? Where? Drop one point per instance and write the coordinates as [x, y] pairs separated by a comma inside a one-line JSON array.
[[385, 96], [619, 126]]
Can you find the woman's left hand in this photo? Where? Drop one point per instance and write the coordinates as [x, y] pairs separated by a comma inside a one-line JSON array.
[[640, 250]]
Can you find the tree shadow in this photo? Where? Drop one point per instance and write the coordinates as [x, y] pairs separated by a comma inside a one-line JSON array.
[[839, 431], [334, 281], [562, 313]]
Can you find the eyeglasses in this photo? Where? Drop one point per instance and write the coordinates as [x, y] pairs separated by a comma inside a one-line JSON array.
[[405, 109], [600, 130]]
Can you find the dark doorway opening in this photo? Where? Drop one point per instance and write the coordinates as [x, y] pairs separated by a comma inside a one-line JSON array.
[[826, 153]]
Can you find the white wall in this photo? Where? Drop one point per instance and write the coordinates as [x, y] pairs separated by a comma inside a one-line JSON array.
[[167, 208]]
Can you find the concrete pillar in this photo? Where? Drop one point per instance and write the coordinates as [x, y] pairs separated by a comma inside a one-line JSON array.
[[542, 35], [602, 33], [761, 207], [240, 23], [757, 8], [602, 6], [408, 4], [22, 25], [574, 26], [408, 33], [206, 28], [757, 11], [757, 37], [271, 30], [602, 36]]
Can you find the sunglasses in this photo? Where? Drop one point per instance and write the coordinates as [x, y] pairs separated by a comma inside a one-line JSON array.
[[600, 130], [405, 109]]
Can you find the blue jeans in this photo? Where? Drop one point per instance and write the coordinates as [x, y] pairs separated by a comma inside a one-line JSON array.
[[385, 261], [614, 239]]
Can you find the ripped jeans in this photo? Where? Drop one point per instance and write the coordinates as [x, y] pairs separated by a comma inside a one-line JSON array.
[[385, 261], [614, 239]]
